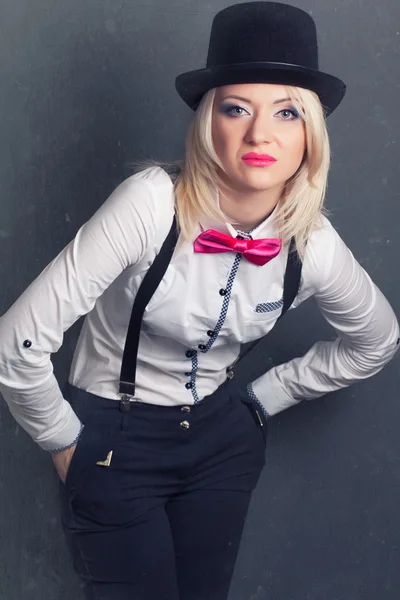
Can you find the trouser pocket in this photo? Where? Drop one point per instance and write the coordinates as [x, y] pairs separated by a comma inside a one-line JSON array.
[[256, 413], [93, 483], [95, 442]]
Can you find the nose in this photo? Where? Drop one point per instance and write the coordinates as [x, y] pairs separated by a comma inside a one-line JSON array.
[[259, 131]]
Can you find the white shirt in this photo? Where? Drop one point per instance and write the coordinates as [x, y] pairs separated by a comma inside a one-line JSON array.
[[99, 273]]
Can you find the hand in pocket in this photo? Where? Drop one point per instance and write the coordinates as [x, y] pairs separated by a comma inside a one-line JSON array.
[[62, 460]]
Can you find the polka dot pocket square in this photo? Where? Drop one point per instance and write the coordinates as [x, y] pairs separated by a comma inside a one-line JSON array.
[[268, 306]]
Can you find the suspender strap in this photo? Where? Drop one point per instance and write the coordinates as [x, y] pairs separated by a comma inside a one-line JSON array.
[[146, 290], [291, 281]]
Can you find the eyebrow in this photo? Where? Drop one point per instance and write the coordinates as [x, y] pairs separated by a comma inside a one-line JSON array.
[[250, 102]]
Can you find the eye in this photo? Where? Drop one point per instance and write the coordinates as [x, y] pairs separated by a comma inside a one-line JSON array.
[[289, 114], [233, 110]]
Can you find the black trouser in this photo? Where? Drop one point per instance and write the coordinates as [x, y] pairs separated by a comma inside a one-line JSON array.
[[164, 520]]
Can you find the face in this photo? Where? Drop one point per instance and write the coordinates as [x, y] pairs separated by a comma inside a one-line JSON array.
[[257, 118]]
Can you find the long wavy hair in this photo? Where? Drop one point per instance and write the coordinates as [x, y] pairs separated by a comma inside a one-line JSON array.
[[195, 177]]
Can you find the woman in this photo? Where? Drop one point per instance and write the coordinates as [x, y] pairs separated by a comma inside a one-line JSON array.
[[157, 449]]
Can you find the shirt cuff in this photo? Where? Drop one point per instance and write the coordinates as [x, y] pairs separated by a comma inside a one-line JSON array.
[[271, 394], [253, 396], [55, 450], [65, 438]]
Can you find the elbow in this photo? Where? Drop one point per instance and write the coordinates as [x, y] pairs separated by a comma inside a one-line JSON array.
[[372, 353], [392, 341], [368, 362]]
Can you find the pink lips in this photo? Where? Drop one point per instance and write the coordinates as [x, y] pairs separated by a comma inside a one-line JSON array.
[[258, 160]]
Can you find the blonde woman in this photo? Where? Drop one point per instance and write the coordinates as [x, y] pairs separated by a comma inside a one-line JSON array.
[[157, 449]]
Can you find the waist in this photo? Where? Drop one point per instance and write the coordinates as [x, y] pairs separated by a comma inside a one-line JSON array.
[[84, 402]]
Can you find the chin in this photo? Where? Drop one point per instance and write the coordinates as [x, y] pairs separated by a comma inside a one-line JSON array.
[[257, 181]]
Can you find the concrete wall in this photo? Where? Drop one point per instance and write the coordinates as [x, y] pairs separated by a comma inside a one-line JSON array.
[[87, 87]]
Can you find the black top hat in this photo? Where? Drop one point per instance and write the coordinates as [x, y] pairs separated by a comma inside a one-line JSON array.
[[262, 42]]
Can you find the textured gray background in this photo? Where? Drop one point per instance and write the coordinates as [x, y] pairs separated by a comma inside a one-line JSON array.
[[87, 87]]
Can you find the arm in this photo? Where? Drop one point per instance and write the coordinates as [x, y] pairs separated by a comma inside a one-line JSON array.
[[114, 238], [367, 328]]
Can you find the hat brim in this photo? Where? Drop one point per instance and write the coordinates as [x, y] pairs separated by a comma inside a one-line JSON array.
[[191, 86]]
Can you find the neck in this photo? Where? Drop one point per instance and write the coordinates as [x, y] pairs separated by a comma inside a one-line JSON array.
[[246, 210]]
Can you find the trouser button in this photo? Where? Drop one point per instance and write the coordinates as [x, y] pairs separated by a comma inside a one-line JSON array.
[[185, 409], [184, 424]]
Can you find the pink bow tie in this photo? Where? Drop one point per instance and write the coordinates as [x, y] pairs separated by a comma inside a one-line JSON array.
[[258, 252]]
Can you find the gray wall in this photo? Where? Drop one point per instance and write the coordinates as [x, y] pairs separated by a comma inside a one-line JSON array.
[[87, 87]]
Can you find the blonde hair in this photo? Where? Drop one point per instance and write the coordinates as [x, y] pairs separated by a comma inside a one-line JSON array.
[[299, 212]]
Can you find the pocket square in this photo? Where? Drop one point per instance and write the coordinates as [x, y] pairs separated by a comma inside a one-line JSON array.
[[269, 306]]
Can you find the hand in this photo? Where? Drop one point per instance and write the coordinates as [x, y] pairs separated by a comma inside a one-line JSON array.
[[62, 461]]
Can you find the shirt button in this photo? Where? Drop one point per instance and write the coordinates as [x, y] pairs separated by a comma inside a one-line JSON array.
[[188, 385], [190, 353], [222, 292], [202, 347], [185, 409], [188, 373], [27, 344], [210, 333], [184, 424]]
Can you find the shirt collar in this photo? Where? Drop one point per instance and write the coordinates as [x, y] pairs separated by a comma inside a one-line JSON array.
[[264, 229]]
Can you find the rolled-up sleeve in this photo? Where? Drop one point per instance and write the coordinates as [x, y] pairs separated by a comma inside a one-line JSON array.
[[367, 328], [32, 329]]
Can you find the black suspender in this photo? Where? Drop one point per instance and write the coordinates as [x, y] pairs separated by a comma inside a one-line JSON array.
[[149, 285], [291, 281], [147, 288]]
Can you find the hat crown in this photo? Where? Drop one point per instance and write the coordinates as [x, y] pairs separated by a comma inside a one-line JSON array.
[[262, 42], [263, 32]]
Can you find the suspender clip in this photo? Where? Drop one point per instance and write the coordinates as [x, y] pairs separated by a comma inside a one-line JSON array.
[[229, 372], [126, 402]]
